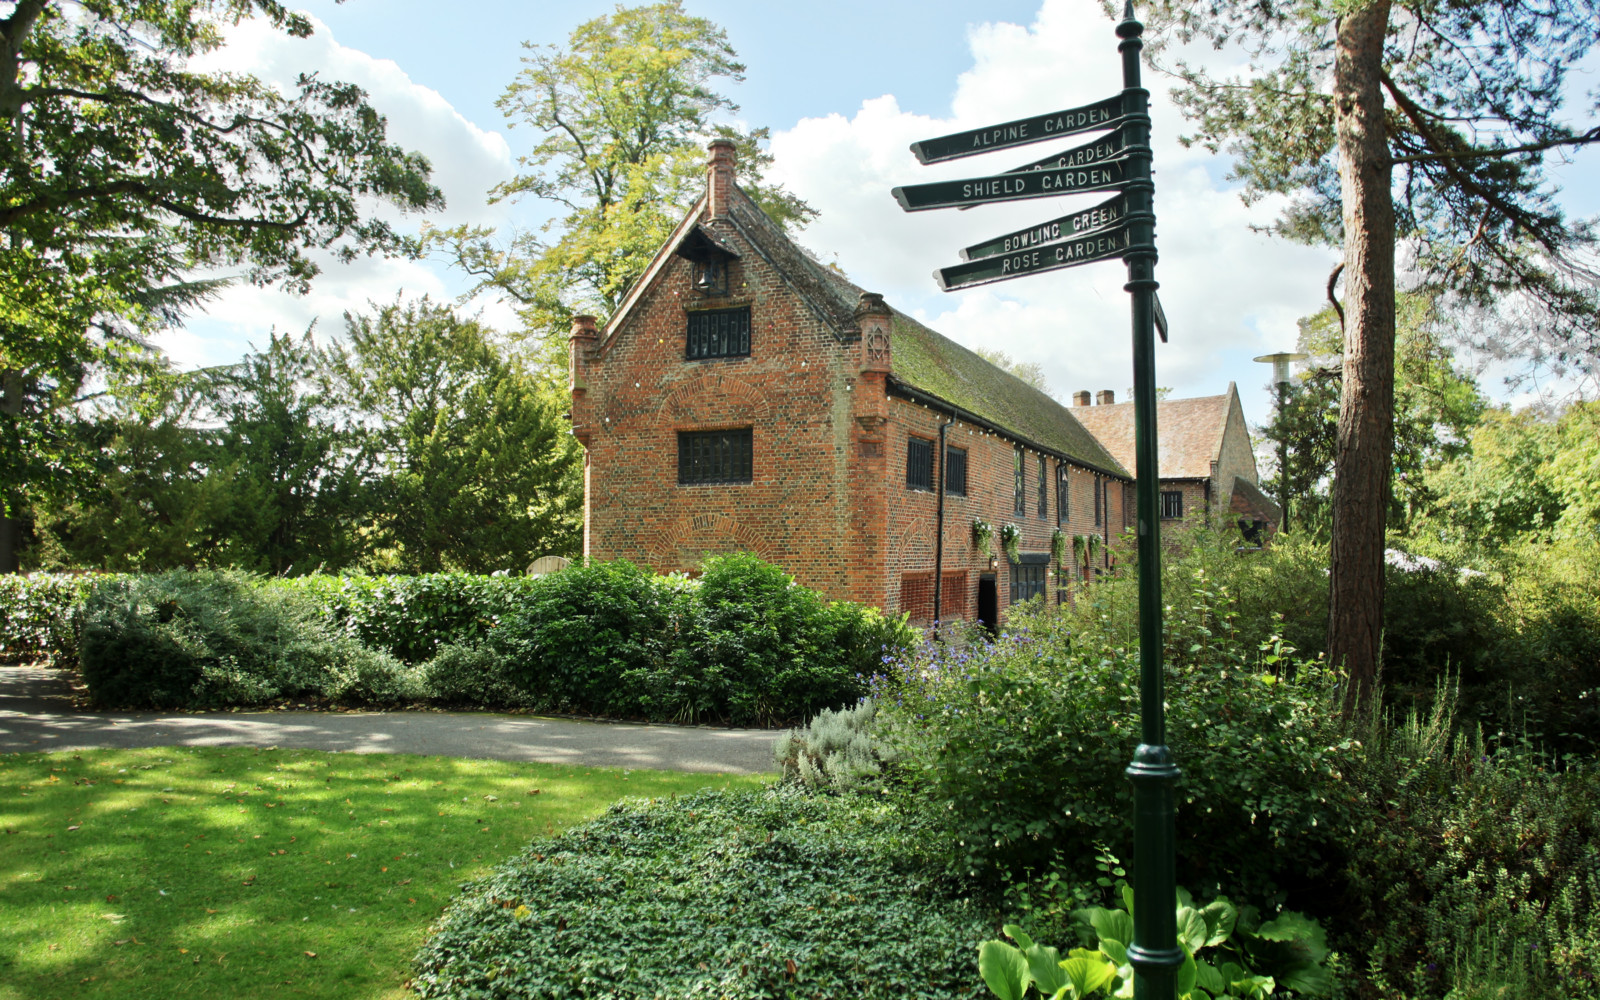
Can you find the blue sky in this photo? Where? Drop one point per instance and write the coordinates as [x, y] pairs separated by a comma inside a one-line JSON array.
[[844, 87]]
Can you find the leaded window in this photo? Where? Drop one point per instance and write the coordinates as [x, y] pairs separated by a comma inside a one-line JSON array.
[[719, 333], [955, 471], [1062, 497], [919, 464], [1171, 504], [1028, 576], [1020, 473], [714, 457], [1044, 485]]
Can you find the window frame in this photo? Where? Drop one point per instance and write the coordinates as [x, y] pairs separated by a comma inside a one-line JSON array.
[[1063, 493], [1038, 566], [1019, 468], [1043, 471], [953, 462], [912, 445], [736, 435], [703, 315], [1168, 497]]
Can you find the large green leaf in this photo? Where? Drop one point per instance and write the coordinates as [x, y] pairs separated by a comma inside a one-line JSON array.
[[1004, 970], [1208, 978], [1044, 965], [1088, 974], [1187, 973], [1192, 930], [1220, 918], [1299, 929], [1311, 979], [1113, 924]]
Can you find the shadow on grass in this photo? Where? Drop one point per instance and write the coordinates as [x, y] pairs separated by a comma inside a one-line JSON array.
[[185, 872]]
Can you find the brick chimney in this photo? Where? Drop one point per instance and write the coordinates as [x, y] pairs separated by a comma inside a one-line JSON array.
[[1105, 397], [719, 176], [1080, 398], [581, 344]]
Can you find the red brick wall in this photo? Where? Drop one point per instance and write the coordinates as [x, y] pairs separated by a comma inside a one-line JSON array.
[[990, 496], [641, 392]]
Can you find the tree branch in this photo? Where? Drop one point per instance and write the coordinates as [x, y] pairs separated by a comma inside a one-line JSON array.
[[1333, 280], [1593, 135]]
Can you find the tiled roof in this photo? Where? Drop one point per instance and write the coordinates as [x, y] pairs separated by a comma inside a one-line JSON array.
[[1189, 432], [926, 360]]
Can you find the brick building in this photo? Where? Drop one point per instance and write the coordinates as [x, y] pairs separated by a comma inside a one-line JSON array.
[[1208, 468], [747, 397]]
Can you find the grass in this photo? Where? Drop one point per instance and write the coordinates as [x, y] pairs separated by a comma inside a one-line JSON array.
[[207, 872]]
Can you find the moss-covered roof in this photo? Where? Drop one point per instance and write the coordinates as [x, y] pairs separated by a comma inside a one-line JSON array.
[[938, 366]]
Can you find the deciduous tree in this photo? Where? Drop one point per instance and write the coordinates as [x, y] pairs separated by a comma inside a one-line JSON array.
[[123, 169]]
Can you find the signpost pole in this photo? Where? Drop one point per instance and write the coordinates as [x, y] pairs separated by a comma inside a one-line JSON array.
[[1154, 953]]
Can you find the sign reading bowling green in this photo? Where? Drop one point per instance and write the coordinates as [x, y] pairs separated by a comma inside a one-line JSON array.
[[1074, 121], [1102, 216], [1108, 176], [1105, 245]]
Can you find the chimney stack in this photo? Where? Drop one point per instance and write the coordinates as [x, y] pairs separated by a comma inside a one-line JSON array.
[[719, 180], [1105, 397], [1080, 398]]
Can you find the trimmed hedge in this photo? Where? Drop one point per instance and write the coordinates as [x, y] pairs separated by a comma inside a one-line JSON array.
[[39, 616], [736, 895], [212, 639], [744, 644]]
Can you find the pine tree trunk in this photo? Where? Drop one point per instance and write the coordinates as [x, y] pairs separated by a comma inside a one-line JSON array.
[[1366, 408]]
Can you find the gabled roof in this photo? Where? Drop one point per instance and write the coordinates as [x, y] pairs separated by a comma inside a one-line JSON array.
[[1189, 432], [923, 360]]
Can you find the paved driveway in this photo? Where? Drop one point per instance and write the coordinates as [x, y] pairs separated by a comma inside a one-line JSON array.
[[36, 714]]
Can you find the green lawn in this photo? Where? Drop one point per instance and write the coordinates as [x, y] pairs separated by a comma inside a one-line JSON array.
[[185, 872]]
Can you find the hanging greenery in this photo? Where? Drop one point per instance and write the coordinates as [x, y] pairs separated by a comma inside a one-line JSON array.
[[983, 536], [1010, 535], [1058, 546]]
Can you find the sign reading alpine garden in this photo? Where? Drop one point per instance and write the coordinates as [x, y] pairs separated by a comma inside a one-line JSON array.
[[1121, 228]]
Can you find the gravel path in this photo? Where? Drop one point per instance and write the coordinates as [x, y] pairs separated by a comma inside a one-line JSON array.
[[36, 714]]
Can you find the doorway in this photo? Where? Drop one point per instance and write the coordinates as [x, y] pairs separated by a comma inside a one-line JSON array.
[[988, 602]]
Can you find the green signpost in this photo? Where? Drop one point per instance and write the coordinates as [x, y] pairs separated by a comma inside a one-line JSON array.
[[1121, 228]]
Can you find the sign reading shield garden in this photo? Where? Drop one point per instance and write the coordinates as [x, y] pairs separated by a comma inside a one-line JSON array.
[[1119, 228]]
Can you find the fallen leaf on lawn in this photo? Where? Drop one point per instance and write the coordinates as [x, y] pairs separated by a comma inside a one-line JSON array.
[[111, 898], [71, 828], [492, 798], [211, 911], [183, 951], [311, 954], [404, 882], [115, 918], [533, 791]]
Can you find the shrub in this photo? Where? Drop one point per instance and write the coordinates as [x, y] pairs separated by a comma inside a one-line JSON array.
[[1478, 870], [412, 617], [210, 639], [744, 644], [469, 675], [834, 749], [735, 895], [1021, 745], [39, 616]]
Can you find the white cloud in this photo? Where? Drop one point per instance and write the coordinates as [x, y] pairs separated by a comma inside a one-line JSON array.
[[466, 160], [1229, 293]]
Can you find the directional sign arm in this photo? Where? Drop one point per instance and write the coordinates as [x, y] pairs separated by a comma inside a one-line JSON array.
[[1102, 216], [1073, 121], [1108, 244], [1106, 176]]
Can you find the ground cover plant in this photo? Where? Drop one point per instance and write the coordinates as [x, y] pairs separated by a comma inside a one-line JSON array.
[[184, 872], [735, 894]]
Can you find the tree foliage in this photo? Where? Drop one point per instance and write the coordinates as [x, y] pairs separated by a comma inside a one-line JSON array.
[[477, 470], [123, 170], [623, 113]]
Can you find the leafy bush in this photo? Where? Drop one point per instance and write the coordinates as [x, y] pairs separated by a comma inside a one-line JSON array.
[[744, 644], [412, 617], [215, 638], [1243, 957], [834, 749], [469, 675], [757, 894], [1478, 870], [1021, 745], [39, 616]]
